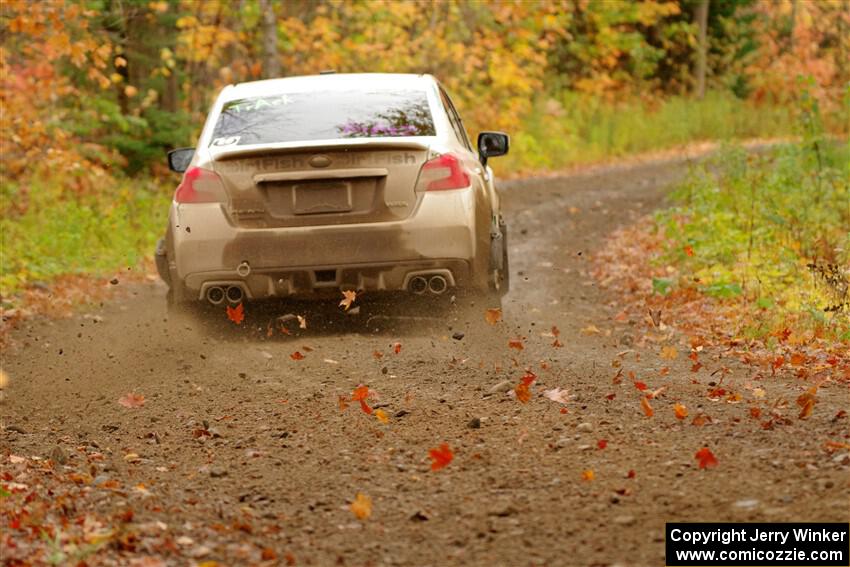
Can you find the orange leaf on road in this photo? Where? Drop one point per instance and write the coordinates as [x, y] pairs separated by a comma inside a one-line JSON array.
[[647, 409], [382, 416], [236, 314], [493, 315], [296, 356], [440, 457], [396, 348], [362, 506], [588, 475], [523, 393], [706, 458], [516, 343], [680, 411]]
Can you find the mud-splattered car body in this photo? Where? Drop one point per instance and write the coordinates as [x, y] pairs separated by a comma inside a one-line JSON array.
[[305, 186]]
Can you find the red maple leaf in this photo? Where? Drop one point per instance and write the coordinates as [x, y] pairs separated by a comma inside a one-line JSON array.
[[440, 457], [236, 314], [640, 386], [706, 458]]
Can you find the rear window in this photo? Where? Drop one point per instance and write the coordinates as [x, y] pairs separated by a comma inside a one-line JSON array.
[[324, 115]]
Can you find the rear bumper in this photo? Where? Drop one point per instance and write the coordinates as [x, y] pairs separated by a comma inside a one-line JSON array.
[[440, 237]]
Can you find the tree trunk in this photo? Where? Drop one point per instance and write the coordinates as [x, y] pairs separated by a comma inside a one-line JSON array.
[[271, 63], [792, 24], [702, 53]]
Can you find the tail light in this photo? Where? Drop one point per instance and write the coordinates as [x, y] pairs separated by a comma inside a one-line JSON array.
[[442, 173], [200, 186]]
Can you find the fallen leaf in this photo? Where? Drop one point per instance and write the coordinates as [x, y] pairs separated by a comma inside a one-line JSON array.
[[493, 315], [236, 314], [706, 458], [296, 356], [655, 315], [602, 443], [132, 400], [362, 506], [588, 475], [640, 386], [590, 330], [557, 395], [440, 457], [516, 344], [631, 474], [382, 416], [348, 298], [806, 401], [359, 395], [555, 331], [807, 409], [378, 355], [647, 409], [689, 251], [680, 411], [701, 420], [669, 352], [523, 393], [755, 413], [396, 348]]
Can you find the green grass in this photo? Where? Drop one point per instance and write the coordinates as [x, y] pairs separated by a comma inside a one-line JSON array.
[[771, 230], [575, 129], [62, 233]]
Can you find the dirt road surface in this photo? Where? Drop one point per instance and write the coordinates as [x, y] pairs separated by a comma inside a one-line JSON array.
[[240, 449]]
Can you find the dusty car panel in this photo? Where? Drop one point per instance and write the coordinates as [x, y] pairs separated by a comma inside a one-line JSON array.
[[393, 199]]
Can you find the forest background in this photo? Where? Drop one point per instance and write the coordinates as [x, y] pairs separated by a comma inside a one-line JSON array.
[[95, 92]]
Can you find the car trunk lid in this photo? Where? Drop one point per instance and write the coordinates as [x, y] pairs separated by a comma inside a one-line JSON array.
[[337, 182]]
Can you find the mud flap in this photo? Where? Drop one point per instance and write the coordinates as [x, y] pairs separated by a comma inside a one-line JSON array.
[[161, 259], [497, 249]]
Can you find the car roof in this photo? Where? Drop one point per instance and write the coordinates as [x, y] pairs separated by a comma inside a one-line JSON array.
[[331, 81]]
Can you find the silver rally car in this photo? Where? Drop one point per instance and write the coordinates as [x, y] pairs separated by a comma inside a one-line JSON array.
[[306, 186]]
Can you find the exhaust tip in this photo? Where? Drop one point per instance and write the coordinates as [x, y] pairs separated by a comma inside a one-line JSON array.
[[234, 294], [418, 285], [438, 285], [215, 295]]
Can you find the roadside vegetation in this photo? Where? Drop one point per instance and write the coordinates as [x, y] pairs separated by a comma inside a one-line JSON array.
[[753, 256], [95, 93]]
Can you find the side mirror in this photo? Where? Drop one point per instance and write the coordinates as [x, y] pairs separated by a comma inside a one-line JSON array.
[[179, 159], [492, 144]]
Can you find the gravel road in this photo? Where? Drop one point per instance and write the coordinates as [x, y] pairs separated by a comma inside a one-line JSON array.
[[244, 453]]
